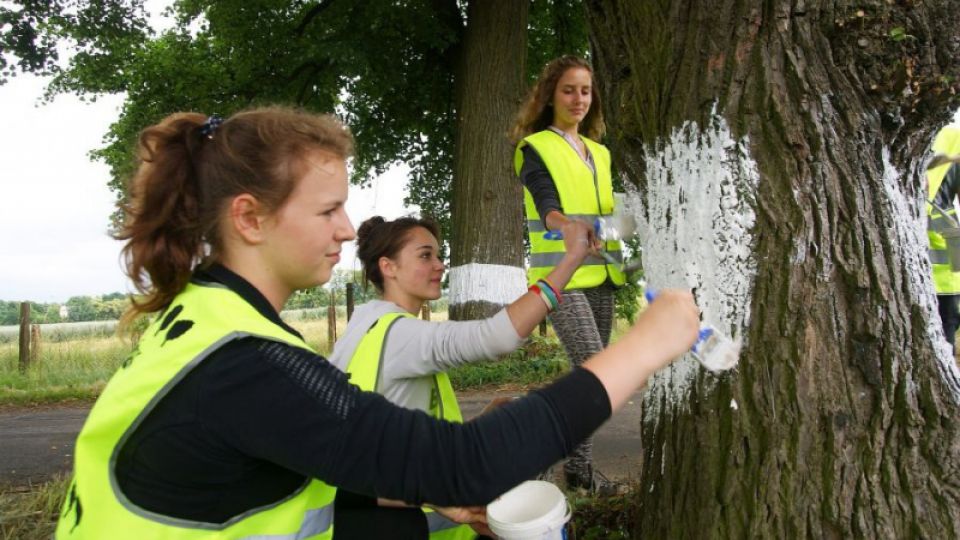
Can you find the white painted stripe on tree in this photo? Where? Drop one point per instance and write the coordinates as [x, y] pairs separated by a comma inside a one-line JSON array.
[[908, 211], [494, 283], [695, 225]]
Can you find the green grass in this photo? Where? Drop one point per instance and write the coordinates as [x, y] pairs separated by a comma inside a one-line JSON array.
[[72, 368], [31, 513], [603, 518], [540, 361], [76, 367]]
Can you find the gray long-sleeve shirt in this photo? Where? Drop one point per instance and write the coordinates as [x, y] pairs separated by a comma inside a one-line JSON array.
[[417, 349]]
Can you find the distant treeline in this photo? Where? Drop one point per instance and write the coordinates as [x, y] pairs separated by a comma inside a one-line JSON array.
[[111, 306]]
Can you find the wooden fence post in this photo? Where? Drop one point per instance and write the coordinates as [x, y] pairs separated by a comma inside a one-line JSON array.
[[349, 301], [34, 343], [331, 325], [425, 311], [24, 336]]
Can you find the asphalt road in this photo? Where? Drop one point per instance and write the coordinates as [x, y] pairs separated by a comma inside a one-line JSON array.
[[35, 444]]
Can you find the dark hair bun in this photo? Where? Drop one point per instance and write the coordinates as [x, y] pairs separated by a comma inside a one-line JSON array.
[[367, 227]]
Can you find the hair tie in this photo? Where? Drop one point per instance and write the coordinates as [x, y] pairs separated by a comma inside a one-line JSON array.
[[211, 125]]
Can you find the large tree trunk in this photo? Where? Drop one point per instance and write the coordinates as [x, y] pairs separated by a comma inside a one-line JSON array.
[[777, 148], [487, 249]]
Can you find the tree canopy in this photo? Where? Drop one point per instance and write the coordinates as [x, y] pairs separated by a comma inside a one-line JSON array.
[[387, 67]]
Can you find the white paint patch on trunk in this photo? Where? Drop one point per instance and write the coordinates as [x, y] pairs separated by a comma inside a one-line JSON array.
[[494, 283], [910, 227], [695, 226]]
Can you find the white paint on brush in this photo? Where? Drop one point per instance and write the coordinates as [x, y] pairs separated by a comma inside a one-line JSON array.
[[695, 225], [494, 283], [910, 227]]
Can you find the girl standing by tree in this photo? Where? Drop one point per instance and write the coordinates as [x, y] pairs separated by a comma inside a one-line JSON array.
[[566, 177]]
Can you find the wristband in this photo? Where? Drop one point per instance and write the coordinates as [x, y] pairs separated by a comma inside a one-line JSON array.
[[543, 296]]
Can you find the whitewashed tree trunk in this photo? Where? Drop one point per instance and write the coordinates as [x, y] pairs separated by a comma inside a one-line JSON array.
[[777, 149], [486, 256]]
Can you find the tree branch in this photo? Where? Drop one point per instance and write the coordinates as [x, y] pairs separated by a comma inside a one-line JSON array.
[[314, 12]]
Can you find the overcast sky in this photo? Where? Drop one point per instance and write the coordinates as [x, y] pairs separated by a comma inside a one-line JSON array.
[[57, 204]]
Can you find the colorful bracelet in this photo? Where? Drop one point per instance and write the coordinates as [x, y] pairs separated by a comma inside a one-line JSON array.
[[543, 296], [547, 300], [554, 290], [548, 292]]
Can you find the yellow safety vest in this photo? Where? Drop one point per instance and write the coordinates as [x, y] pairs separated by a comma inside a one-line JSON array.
[[365, 368], [945, 280], [584, 195], [199, 321]]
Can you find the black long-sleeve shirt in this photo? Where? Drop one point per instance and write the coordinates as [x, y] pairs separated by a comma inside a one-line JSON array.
[[249, 424], [536, 178]]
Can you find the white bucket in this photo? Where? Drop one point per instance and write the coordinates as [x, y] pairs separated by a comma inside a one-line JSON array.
[[534, 510]]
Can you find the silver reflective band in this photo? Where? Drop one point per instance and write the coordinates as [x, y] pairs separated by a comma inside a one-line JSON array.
[[938, 224], [540, 260], [437, 522], [536, 225], [315, 522], [939, 256]]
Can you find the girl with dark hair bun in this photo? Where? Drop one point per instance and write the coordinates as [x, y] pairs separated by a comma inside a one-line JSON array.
[[566, 177], [224, 423], [387, 349]]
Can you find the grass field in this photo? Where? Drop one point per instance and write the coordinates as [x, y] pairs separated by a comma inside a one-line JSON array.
[[73, 366], [30, 513]]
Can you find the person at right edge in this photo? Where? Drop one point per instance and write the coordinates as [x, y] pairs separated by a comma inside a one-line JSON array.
[[943, 183], [566, 176]]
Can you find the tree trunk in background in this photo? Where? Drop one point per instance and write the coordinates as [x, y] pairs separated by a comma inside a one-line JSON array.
[[487, 205], [777, 148]]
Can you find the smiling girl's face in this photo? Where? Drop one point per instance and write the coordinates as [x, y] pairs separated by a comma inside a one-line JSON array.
[[414, 275]]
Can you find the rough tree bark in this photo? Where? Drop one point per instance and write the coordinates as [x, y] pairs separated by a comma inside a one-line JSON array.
[[778, 148], [487, 248]]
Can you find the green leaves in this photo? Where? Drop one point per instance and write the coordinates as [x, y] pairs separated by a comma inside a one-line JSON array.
[[387, 67]]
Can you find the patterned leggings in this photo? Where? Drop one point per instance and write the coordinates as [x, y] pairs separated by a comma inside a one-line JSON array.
[[583, 323]]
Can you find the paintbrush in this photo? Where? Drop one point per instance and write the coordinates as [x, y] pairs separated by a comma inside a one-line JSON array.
[[714, 350]]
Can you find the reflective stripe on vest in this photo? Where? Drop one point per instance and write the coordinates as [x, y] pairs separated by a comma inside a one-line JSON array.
[[365, 368], [584, 194], [945, 280], [442, 528], [536, 225], [199, 321], [314, 522], [553, 259]]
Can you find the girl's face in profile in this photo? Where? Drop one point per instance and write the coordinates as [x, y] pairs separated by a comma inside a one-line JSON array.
[[417, 268], [307, 232]]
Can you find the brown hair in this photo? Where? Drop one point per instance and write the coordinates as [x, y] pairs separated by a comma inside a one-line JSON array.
[[536, 114], [378, 237], [187, 175]]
